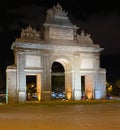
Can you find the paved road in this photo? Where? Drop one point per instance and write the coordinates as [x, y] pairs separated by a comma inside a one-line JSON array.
[[60, 117]]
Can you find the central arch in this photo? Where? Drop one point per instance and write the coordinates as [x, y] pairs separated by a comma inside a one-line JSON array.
[[62, 68], [58, 80]]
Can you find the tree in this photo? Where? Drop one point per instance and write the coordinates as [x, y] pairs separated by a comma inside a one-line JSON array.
[[118, 83], [116, 88], [109, 88]]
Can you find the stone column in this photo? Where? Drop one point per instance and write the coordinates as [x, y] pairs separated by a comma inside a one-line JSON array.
[[21, 78], [89, 86], [96, 88], [77, 80], [11, 86], [46, 88], [68, 85], [39, 87]]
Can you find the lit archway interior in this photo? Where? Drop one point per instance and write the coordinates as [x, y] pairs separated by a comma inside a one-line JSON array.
[[61, 77], [33, 87]]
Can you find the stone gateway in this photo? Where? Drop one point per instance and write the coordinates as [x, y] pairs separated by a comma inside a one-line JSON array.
[[55, 51]]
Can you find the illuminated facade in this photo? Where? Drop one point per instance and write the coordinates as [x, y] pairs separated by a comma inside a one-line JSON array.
[[35, 52]]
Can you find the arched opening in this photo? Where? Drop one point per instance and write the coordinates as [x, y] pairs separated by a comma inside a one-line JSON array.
[[57, 81]]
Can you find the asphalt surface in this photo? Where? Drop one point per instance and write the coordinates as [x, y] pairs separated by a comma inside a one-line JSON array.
[[60, 117]]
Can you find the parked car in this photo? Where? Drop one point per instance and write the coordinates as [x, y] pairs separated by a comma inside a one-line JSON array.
[[2, 97], [58, 95]]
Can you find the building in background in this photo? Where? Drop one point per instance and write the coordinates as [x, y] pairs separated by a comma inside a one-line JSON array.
[[42, 53]]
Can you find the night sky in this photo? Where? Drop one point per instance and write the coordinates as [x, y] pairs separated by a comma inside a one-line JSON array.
[[98, 18]]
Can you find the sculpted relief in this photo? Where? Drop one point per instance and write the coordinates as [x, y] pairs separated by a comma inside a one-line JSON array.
[[84, 38], [30, 33]]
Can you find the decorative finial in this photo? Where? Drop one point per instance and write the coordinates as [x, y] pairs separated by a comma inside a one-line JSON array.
[[56, 12]]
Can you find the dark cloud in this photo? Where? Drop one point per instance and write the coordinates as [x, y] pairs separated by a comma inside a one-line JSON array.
[[25, 15]]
